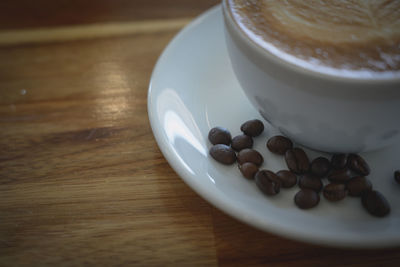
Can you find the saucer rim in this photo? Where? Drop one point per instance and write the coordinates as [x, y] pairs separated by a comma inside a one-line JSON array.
[[221, 201]]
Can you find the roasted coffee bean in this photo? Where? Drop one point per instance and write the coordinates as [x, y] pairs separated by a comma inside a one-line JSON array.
[[248, 169], [288, 179], [358, 185], [219, 135], [306, 199], [357, 164], [310, 181], [279, 144], [375, 203], [320, 166], [241, 142], [334, 192], [297, 160], [252, 128], [268, 182], [223, 154], [339, 176], [397, 176], [250, 155], [339, 161]]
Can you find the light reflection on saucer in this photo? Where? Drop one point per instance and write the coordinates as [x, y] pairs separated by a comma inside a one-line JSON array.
[[176, 119]]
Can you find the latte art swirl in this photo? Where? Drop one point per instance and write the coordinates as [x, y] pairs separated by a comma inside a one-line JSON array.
[[341, 35]]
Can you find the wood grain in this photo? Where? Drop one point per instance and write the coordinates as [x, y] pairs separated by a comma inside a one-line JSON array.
[[91, 31], [22, 14], [82, 181]]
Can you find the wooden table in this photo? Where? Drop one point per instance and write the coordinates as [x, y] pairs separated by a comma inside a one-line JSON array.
[[82, 181]]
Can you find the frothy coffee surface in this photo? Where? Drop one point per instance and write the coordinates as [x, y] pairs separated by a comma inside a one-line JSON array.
[[352, 38]]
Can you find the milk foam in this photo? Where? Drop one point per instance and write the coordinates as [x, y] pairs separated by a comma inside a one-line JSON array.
[[341, 37]]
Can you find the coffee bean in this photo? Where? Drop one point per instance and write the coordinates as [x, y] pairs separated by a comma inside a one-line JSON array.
[[252, 128], [250, 155], [397, 176], [357, 164], [339, 161], [358, 185], [241, 142], [279, 144], [223, 154], [219, 135], [320, 166], [248, 169], [297, 160], [268, 182], [306, 199], [311, 182], [334, 192], [375, 203], [339, 176], [288, 179]]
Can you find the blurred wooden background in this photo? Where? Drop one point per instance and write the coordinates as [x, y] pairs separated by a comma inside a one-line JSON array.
[[82, 181]]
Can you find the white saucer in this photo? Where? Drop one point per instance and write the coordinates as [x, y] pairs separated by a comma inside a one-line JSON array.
[[193, 89]]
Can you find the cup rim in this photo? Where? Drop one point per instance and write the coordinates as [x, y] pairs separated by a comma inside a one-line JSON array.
[[264, 52]]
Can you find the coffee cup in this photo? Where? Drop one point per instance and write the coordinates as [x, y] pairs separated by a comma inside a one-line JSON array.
[[317, 87]]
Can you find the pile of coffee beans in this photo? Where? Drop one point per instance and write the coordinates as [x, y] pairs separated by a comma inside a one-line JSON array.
[[228, 150], [340, 176]]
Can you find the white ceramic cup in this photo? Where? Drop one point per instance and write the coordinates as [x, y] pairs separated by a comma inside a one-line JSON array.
[[325, 112]]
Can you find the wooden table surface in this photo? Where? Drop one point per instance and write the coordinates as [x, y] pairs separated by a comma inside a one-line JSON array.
[[82, 181]]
